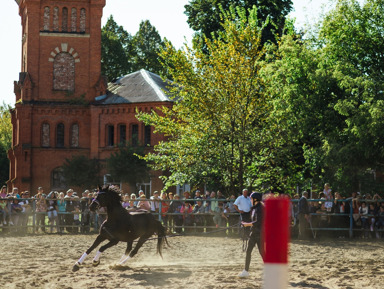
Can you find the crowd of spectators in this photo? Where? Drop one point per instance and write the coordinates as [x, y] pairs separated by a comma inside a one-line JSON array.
[[59, 212], [329, 214]]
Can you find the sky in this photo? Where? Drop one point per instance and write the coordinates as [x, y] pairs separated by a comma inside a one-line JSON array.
[[166, 15]]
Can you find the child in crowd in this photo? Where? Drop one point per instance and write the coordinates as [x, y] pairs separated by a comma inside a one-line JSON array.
[[76, 219], [3, 212]]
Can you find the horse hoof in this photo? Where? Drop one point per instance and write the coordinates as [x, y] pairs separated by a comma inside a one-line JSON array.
[[76, 267], [96, 263]]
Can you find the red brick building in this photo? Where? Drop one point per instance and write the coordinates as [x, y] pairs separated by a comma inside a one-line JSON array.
[[63, 105]]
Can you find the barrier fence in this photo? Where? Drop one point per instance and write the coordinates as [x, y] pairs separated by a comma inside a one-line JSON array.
[[335, 224]]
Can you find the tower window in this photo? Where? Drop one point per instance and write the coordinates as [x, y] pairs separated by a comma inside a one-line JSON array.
[[56, 19], [82, 20], [73, 19], [64, 26], [46, 19], [75, 135], [64, 72], [45, 131], [60, 135]]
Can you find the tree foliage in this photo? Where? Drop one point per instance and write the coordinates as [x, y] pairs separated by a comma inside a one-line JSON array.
[[127, 166], [205, 16], [147, 44], [122, 53], [5, 141], [219, 130], [330, 92], [116, 50], [80, 171]]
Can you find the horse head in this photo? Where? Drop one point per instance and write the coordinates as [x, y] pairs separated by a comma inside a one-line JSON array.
[[106, 196]]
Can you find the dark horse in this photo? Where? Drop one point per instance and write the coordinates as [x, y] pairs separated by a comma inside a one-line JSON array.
[[122, 226]]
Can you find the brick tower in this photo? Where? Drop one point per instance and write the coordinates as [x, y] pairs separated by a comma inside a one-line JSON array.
[[60, 77]]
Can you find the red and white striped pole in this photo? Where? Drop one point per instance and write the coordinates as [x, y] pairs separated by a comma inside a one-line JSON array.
[[276, 238]]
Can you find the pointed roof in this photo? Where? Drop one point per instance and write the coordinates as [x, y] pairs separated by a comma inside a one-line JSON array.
[[137, 87]]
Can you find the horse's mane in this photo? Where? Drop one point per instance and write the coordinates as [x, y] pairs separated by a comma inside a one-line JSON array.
[[112, 191]]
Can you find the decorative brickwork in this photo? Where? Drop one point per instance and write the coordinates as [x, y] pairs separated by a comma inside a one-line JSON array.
[[64, 72]]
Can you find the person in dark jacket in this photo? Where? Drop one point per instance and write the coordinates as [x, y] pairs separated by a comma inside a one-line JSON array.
[[255, 237], [303, 213]]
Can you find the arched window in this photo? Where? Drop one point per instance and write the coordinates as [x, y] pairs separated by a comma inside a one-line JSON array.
[[56, 19], [45, 132], [75, 135], [73, 19], [147, 135], [64, 26], [122, 134], [46, 19], [110, 135], [60, 135], [64, 72], [57, 179], [135, 134], [82, 20]]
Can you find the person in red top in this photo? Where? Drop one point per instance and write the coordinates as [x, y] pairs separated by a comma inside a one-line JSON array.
[[164, 208]]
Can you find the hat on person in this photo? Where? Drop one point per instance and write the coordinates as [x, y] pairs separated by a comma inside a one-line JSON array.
[[39, 188], [257, 196]]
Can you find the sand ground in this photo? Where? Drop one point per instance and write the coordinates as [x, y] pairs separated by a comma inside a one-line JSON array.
[[45, 261]]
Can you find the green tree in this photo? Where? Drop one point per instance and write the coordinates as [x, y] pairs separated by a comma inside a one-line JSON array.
[[122, 53], [329, 94], [5, 141], [127, 166], [80, 171], [116, 50], [147, 44], [351, 36], [218, 130], [205, 16]]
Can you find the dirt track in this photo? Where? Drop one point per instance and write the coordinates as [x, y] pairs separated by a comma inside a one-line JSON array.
[[45, 261]]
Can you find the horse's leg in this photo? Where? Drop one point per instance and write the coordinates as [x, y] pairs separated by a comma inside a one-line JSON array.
[[137, 247], [96, 260], [96, 243], [129, 248]]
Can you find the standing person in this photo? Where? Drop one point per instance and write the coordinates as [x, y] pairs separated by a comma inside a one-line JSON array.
[[69, 208], [256, 231], [61, 211], [328, 196], [24, 216], [155, 202], [52, 211], [164, 208], [174, 208], [303, 213], [243, 205], [85, 212], [3, 192], [41, 210]]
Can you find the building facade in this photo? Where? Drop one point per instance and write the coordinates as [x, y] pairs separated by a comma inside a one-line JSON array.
[[64, 106]]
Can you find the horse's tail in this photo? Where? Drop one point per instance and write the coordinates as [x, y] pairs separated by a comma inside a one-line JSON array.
[[161, 237]]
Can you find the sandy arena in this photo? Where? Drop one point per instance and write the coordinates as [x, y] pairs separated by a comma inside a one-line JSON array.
[[45, 261]]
